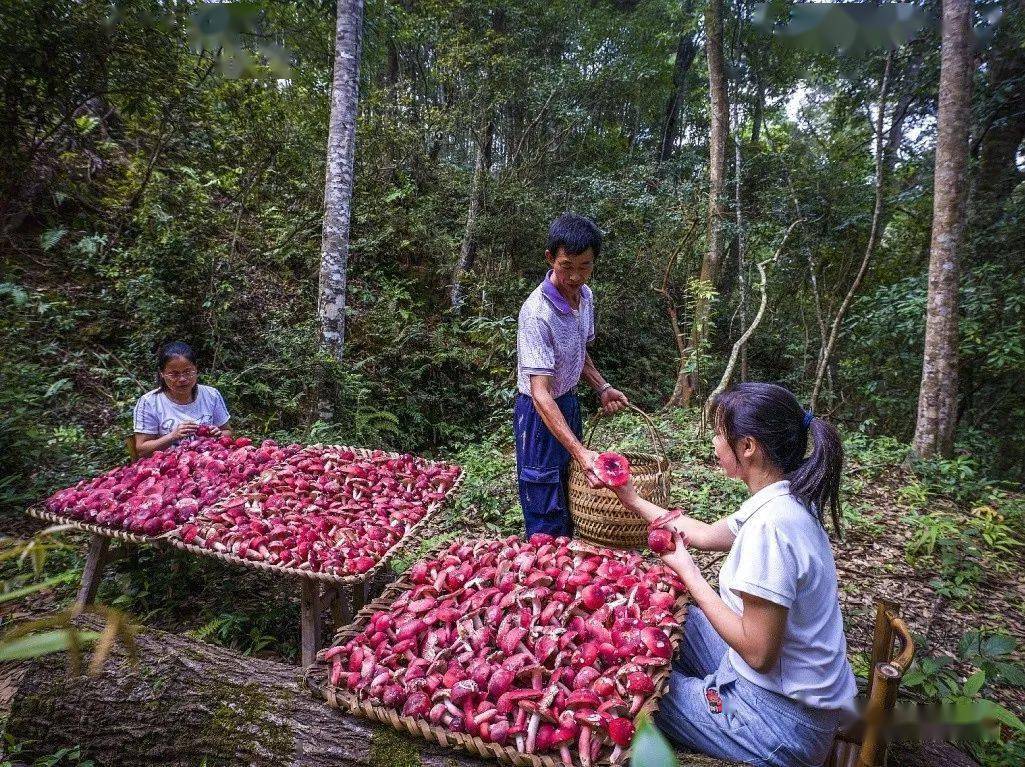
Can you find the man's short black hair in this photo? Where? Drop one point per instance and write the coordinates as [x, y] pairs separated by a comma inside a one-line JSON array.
[[574, 234]]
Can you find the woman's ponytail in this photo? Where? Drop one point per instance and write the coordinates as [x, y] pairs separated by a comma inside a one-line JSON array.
[[817, 480]]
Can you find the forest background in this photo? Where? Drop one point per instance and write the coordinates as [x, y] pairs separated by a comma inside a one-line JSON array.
[[162, 177]]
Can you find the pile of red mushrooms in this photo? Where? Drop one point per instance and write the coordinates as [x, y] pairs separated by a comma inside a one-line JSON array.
[[158, 493], [541, 646], [324, 510]]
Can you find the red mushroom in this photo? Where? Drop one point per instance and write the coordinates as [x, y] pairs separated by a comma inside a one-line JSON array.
[[639, 684], [621, 731]]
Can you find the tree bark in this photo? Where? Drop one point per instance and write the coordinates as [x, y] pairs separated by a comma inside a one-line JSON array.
[[186, 702], [468, 249], [998, 173], [686, 51], [712, 262], [874, 234], [937, 398], [341, 142]]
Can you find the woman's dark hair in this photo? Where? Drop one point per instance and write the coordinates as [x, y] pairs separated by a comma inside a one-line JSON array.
[[770, 414], [574, 234], [168, 352]]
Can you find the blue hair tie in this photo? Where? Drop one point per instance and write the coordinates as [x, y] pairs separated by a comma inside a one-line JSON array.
[[808, 415]]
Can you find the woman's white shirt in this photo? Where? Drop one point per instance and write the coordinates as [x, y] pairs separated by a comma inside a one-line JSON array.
[[156, 414], [782, 554]]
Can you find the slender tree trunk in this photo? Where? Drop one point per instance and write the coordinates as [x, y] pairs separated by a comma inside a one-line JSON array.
[[937, 398], [741, 342], [873, 235], [341, 143], [712, 262], [741, 255], [997, 174], [686, 51], [468, 249]]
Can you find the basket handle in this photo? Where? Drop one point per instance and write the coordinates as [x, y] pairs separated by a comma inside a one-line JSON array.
[[652, 430]]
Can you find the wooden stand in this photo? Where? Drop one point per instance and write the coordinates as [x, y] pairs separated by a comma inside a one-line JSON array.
[[95, 560], [342, 601], [315, 597]]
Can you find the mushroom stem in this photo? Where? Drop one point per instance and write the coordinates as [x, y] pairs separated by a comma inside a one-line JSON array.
[[535, 720], [584, 747]]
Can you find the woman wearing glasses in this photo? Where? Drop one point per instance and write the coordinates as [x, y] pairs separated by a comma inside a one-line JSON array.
[[179, 405]]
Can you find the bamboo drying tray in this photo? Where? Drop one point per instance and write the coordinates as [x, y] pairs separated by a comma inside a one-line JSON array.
[[41, 513], [355, 578], [318, 675], [598, 515]]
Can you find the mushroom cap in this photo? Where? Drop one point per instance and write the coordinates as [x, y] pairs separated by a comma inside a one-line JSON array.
[[621, 730], [527, 670], [565, 734], [583, 698], [614, 705], [639, 683], [589, 719]]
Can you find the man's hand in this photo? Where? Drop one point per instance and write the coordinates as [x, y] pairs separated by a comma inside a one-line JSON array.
[[586, 459], [613, 400]]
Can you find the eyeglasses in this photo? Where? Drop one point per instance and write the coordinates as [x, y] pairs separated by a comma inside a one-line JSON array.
[[180, 376]]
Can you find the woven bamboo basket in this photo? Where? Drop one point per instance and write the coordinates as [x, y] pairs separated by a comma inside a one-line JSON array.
[[598, 515], [318, 675], [41, 513]]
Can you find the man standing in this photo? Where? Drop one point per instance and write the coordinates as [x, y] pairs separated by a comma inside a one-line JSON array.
[[556, 324]]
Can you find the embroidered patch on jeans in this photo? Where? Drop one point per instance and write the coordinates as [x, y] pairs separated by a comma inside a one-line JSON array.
[[714, 701]]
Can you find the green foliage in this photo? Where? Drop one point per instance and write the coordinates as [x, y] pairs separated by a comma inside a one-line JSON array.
[[64, 757], [650, 748]]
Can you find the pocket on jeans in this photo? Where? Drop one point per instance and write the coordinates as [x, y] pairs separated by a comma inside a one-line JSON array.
[[545, 475], [543, 489]]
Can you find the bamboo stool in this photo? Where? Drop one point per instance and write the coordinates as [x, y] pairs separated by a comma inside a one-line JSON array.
[[865, 745]]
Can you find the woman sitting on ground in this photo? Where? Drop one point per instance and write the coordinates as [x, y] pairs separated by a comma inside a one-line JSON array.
[[179, 405], [762, 676]]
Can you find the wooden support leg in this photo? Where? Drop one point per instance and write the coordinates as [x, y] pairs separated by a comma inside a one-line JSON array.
[[309, 620], [95, 559]]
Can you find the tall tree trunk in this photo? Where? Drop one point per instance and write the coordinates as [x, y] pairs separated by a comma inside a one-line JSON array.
[[686, 51], [468, 249], [341, 143], [874, 233], [741, 253], [997, 174], [937, 398], [711, 264]]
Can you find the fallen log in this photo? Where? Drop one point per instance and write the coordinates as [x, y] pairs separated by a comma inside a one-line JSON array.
[[187, 703]]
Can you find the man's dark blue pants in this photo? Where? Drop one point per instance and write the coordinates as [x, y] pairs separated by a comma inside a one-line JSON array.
[[542, 465]]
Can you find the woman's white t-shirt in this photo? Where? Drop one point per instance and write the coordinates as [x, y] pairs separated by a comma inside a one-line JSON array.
[[782, 554], [157, 414]]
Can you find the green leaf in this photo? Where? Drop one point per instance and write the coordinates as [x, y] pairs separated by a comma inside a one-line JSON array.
[[16, 292], [46, 643], [974, 684], [50, 238], [10, 596], [650, 748], [56, 387], [1003, 715], [998, 644], [1010, 673]]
